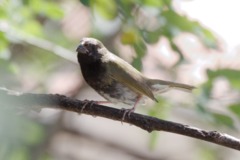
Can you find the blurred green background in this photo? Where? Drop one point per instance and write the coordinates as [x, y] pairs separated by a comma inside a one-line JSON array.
[[161, 38]]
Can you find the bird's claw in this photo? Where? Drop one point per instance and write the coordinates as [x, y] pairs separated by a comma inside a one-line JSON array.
[[127, 112], [87, 102]]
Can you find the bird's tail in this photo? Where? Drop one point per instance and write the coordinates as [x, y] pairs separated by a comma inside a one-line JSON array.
[[160, 86]]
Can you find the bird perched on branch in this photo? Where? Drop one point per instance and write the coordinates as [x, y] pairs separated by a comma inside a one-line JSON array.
[[115, 79]]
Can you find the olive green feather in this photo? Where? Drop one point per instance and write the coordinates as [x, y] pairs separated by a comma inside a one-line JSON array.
[[124, 73]]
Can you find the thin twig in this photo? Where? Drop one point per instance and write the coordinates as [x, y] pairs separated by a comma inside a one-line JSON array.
[[29, 101]]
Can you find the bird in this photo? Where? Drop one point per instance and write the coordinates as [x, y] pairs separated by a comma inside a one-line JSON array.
[[115, 79]]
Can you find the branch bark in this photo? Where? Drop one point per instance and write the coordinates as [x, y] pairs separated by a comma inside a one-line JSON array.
[[28, 101]]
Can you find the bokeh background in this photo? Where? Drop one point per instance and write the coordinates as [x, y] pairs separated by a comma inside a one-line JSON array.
[[194, 42]]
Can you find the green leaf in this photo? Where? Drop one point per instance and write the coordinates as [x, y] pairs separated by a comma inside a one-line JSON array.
[[177, 23], [129, 36], [106, 8], [153, 3], [140, 49], [46, 8], [125, 8], [178, 50], [206, 36], [85, 2], [232, 75], [223, 119], [137, 63], [32, 27], [235, 108], [151, 36], [205, 92]]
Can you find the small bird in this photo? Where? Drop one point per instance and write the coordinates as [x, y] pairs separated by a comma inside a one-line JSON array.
[[115, 79]]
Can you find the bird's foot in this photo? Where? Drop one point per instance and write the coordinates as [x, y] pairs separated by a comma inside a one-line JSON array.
[[87, 102], [127, 112], [90, 103]]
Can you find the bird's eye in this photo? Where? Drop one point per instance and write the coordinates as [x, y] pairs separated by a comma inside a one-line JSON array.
[[85, 45]]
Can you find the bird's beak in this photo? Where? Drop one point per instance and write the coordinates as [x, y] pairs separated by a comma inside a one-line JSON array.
[[82, 49]]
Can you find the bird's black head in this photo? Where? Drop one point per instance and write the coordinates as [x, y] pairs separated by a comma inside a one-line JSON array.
[[91, 48]]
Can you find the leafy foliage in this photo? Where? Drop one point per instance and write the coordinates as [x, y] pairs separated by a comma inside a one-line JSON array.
[[205, 96], [20, 19], [233, 76], [136, 26], [21, 136]]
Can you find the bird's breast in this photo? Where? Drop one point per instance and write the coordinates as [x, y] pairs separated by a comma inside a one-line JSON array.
[[95, 74]]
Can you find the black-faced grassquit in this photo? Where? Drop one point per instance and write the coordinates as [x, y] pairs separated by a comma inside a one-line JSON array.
[[115, 79]]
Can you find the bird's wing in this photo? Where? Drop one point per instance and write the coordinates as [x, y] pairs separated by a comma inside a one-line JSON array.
[[126, 74]]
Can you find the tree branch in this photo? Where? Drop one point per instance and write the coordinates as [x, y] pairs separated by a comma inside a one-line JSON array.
[[28, 101]]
